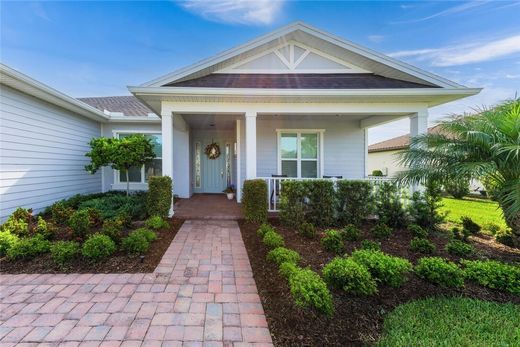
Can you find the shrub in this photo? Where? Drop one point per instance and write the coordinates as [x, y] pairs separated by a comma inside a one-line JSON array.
[[346, 274], [98, 246], [254, 201], [135, 243], [469, 225], [381, 231], [309, 290], [24, 214], [457, 187], [113, 228], [282, 255], [264, 229], [63, 252], [332, 241], [159, 199], [421, 245], [377, 173], [505, 237], [458, 247], [288, 269], [156, 223], [113, 205], [60, 212], [321, 202], [292, 205], [307, 230], [42, 228], [389, 207], [492, 228], [355, 201], [493, 274], [424, 207], [417, 231], [440, 271], [79, 221], [350, 233], [273, 240], [149, 235], [28, 248], [16, 226], [7, 240], [370, 245], [460, 234], [383, 267]]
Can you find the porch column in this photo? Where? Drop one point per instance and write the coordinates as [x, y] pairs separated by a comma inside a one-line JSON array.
[[167, 149], [418, 126], [250, 144]]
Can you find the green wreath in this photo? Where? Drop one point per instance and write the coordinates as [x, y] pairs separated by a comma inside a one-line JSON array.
[[212, 150]]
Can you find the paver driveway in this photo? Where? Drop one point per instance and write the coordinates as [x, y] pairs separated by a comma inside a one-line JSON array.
[[202, 293]]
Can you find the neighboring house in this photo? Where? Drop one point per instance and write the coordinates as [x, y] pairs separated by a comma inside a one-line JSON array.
[[297, 101], [384, 155]]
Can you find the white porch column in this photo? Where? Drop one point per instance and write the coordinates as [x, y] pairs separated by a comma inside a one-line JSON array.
[[239, 160], [250, 144], [418, 126], [167, 149]]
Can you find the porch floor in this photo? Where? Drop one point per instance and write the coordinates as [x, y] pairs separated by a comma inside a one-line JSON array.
[[208, 206]]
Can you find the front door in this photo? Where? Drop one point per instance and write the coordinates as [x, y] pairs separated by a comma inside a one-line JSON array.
[[214, 179]]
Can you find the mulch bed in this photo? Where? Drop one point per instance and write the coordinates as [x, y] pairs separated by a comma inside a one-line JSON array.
[[357, 320], [119, 262]]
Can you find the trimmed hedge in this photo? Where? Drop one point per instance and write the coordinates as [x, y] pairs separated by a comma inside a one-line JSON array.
[[292, 203], [355, 201], [282, 255], [421, 245], [493, 274], [332, 241], [384, 268], [254, 201], [440, 271], [63, 252], [28, 248], [273, 240], [321, 202], [350, 276], [98, 246], [159, 198]]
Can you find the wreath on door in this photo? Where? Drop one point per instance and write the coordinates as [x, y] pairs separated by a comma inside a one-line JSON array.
[[212, 150]]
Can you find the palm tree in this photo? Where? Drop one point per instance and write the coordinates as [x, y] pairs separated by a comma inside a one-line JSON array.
[[483, 146]]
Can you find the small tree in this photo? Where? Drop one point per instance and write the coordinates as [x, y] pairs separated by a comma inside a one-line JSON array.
[[120, 154]]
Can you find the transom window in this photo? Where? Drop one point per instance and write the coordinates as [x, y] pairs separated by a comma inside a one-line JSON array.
[[299, 153], [153, 168]]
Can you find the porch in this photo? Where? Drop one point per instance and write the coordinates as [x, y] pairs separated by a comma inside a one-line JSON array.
[[208, 206]]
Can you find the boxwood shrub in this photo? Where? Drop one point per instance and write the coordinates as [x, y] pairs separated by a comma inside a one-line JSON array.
[[273, 240], [308, 230], [309, 290], [7, 240], [288, 269], [440, 271], [292, 203], [355, 201], [27, 248], [79, 221], [384, 268], [62, 252], [156, 223], [159, 198], [371, 245], [493, 274], [417, 231], [460, 248], [97, 247], [350, 233], [352, 277], [332, 241], [282, 255], [264, 229], [381, 231], [254, 201], [320, 202], [135, 243], [421, 245]]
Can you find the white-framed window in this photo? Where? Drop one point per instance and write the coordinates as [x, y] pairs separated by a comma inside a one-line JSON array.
[[300, 153], [153, 168]]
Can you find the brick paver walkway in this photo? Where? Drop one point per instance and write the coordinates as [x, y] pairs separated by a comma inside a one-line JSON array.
[[201, 294]]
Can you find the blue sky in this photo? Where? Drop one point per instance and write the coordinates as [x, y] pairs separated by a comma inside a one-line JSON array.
[[99, 48]]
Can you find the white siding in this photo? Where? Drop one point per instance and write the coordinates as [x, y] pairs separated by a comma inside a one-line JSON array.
[[42, 153], [387, 162]]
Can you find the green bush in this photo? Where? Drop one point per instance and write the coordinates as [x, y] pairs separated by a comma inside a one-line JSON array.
[[492, 228], [505, 237], [389, 207], [384, 268], [308, 230], [371, 245], [28, 248], [273, 240], [355, 201], [113, 205], [381, 231], [282, 255], [159, 199], [460, 234], [309, 290], [79, 221], [460, 248], [346, 274], [60, 212], [156, 223], [493, 274], [264, 229], [254, 201], [292, 203], [18, 222], [457, 187], [98, 246], [440, 271], [469, 225], [421, 245], [113, 228], [149, 235], [332, 241], [24, 214], [63, 252], [42, 228], [424, 207], [135, 243], [288, 269], [417, 231], [7, 240], [377, 173], [321, 202], [350, 233]]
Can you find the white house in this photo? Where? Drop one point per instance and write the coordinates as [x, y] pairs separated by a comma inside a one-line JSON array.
[[296, 102]]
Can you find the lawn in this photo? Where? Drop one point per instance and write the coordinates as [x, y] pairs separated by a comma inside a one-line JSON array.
[[481, 211]]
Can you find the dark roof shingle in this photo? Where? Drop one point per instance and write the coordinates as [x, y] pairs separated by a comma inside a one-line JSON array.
[[128, 105]]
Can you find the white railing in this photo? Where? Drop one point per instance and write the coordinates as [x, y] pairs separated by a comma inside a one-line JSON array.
[[274, 186]]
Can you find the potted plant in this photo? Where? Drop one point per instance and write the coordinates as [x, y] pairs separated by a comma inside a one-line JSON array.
[[230, 192]]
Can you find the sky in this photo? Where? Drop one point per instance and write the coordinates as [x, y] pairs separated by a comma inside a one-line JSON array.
[[98, 48]]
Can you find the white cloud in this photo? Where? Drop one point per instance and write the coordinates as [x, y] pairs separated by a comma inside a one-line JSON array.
[[465, 54], [39, 11], [452, 10], [513, 77], [376, 38], [256, 12]]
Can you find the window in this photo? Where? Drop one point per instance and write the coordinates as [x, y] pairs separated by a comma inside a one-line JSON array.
[[299, 153], [197, 165], [153, 168]]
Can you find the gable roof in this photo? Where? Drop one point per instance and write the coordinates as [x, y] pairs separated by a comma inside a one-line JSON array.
[[127, 105], [399, 142], [362, 57]]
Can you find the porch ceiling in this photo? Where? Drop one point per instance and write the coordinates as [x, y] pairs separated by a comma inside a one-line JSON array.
[[211, 121]]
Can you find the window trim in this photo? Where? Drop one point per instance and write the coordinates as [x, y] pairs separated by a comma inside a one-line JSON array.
[[142, 183], [299, 132]]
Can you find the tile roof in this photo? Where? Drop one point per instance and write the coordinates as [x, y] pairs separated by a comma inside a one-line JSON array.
[[399, 142], [298, 81], [128, 105]]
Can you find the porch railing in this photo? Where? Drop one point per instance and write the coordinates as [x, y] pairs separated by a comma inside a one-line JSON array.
[[274, 187]]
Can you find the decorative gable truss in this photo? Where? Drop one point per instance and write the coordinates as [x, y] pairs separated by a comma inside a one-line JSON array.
[[292, 58]]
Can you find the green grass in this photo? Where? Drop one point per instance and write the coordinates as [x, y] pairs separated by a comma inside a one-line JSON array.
[[481, 211], [452, 322]]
